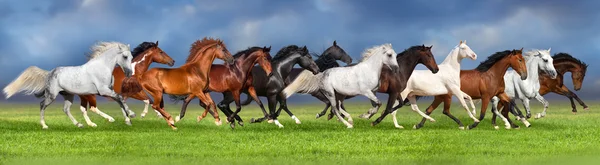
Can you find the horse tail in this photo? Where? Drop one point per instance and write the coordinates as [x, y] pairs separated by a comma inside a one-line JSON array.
[[306, 82], [31, 81], [177, 98]]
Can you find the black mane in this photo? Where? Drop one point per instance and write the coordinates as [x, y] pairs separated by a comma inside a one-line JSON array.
[[142, 47], [491, 60], [568, 57], [325, 62], [285, 51], [411, 49], [247, 51]]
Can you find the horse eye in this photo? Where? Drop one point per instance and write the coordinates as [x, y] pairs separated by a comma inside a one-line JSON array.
[[545, 60], [125, 57], [389, 55]]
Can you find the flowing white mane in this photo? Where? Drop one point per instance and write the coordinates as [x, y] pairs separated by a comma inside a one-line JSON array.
[[371, 51], [101, 47]]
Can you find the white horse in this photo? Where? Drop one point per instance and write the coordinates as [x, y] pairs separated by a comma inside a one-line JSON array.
[[93, 77], [536, 60], [447, 80], [360, 79]]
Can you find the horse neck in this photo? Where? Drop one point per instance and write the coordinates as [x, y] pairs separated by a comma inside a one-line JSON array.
[[532, 69], [104, 63], [283, 67], [407, 64], [204, 62], [499, 68], [141, 66], [452, 59], [566, 66], [245, 64], [373, 63]]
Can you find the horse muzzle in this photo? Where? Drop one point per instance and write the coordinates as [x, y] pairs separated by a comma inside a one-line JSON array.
[[127, 72], [435, 70], [171, 63]]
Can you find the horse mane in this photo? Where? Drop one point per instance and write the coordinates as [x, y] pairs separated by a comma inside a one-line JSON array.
[[491, 60], [202, 45], [285, 51], [247, 51], [369, 52], [411, 49], [101, 47], [567, 57], [325, 62], [137, 51]]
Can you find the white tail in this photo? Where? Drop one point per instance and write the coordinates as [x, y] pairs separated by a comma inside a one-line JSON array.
[[306, 82], [32, 81]]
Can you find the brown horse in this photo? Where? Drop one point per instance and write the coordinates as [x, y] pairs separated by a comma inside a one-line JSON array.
[[189, 79], [143, 55], [564, 63], [230, 79], [483, 82]]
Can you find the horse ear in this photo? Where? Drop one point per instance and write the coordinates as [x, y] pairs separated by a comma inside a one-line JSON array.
[[156, 42], [460, 42], [128, 46], [334, 43], [549, 50], [304, 48], [269, 48], [430, 47], [465, 41], [521, 49]]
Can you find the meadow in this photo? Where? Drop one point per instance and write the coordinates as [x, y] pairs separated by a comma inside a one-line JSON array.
[[561, 137]]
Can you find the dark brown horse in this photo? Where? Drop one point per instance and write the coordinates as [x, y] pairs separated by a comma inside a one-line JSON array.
[[230, 79], [143, 55], [563, 63], [483, 82], [189, 79]]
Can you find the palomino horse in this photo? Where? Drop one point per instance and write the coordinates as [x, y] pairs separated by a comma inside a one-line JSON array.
[[389, 82], [190, 79], [483, 82], [231, 78], [328, 59], [516, 88], [359, 79], [91, 78], [143, 55], [563, 63], [425, 83], [271, 86]]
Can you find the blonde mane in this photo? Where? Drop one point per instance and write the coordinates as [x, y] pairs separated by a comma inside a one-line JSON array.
[[369, 52], [102, 47]]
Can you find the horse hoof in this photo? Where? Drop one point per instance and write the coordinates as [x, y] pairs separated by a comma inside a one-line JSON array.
[[586, 108], [128, 123], [415, 127], [92, 124], [174, 128], [431, 119], [364, 116], [270, 121], [496, 127], [79, 125], [111, 120], [461, 128], [241, 123], [44, 127], [232, 125], [199, 119], [132, 115], [350, 126], [218, 123], [351, 122], [318, 116], [476, 120], [252, 120], [574, 113], [177, 118], [399, 127]]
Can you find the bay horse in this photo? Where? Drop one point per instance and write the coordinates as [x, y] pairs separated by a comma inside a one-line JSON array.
[[359, 79], [230, 79], [447, 81], [271, 86], [190, 79], [483, 82], [389, 83], [93, 77], [516, 88], [328, 59], [144, 54], [563, 62]]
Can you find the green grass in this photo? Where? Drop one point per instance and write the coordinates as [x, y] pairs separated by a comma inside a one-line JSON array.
[[559, 138]]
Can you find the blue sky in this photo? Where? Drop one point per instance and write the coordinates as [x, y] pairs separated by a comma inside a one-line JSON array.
[[58, 32]]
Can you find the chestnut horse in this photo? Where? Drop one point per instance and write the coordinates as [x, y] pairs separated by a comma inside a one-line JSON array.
[[563, 63], [143, 55], [489, 82], [230, 79], [189, 79]]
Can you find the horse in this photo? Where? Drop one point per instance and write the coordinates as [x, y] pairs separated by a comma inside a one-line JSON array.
[[231, 78], [144, 54], [360, 79], [91, 78], [271, 86], [328, 59], [516, 88], [190, 79], [389, 83], [447, 81], [483, 82], [564, 62]]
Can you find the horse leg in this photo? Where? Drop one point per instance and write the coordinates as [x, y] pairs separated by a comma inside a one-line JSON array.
[[388, 111], [447, 103], [83, 109], [526, 105], [375, 108], [340, 99], [505, 103], [186, 102], [485, 100], [330, 94], [48, 99], [585, 107], [436, 102], [460, 96], [272, 103], [238, 106], [207, 100], [283, 104], [413, 105], [543, 101], [110, 93], [158, 100], [322, 113], [67, 109], [94, 108], [224, 106], [495, 106]]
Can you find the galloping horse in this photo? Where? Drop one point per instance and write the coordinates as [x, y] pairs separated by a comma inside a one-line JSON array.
[[563, 63], [93, 77], [230, 79], [447, 81], [143, 55], [328, 59], [389, 82], [190, 79], [359, 79], [516, 88], [483, 82]]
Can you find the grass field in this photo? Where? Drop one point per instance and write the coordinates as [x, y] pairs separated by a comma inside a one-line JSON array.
[[559, 138]]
